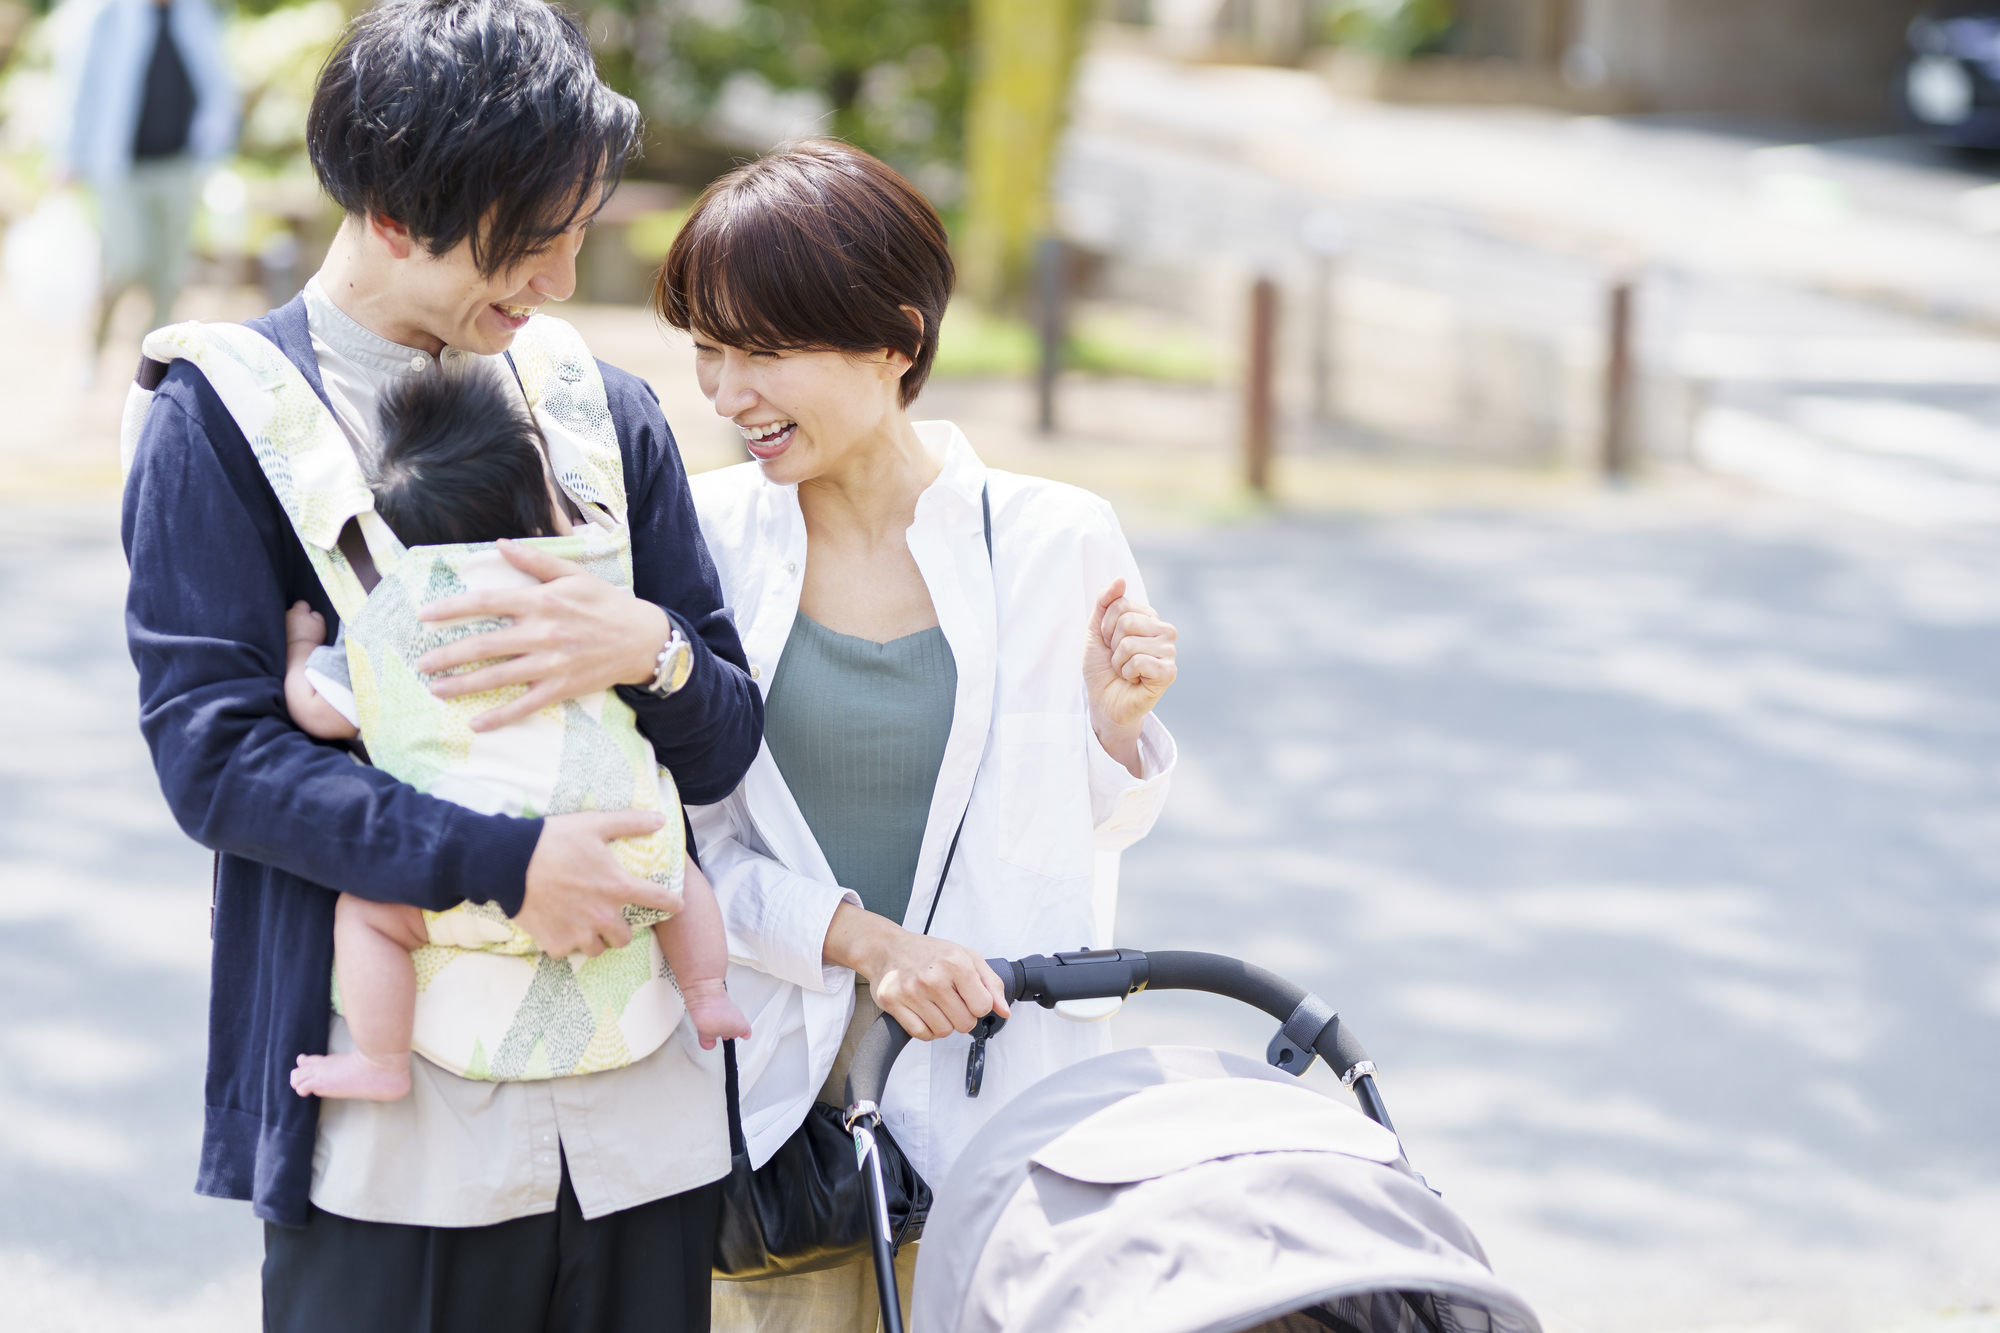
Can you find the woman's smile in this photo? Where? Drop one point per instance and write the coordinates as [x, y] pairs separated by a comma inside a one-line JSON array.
[[768, 439]]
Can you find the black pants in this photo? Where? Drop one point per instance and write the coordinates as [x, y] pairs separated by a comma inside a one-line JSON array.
[[644, 1270]]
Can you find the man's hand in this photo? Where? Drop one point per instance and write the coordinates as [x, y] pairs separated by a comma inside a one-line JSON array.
[[576, 886], [1128, 663], [574, 635]]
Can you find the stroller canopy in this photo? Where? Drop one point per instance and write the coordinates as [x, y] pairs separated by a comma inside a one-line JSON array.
[[1182, 1190]]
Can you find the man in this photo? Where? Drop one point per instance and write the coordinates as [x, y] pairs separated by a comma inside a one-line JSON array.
[[469, 142], [147, 106]]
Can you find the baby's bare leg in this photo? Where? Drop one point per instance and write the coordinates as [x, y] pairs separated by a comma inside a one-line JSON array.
[[699, 954], [372, 943]]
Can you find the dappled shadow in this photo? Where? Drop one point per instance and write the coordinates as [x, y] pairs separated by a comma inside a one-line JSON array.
[[103, 969], [1652, 857], [1654, 860]]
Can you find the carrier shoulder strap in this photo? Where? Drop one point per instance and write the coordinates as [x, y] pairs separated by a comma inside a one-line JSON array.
[[565, 389], [298, 444], [311, 466]]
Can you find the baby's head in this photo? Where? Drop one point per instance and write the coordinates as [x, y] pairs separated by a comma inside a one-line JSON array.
[[460, 462]]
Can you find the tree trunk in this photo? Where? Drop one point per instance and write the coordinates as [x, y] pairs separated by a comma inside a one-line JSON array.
[[1024, 53]]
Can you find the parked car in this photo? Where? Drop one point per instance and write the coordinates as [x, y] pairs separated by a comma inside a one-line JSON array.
[[1951, 85]]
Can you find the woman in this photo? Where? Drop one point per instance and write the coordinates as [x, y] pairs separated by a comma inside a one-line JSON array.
[[958, 734]]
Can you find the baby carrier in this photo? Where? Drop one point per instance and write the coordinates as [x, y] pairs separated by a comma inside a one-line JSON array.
[[490, 1004]]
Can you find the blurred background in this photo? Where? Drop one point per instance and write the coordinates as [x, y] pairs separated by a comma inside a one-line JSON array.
[[1567, 433]]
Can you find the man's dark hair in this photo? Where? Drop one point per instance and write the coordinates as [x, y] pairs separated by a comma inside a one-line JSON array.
[[816, 246], [460, 462], [469, 118]]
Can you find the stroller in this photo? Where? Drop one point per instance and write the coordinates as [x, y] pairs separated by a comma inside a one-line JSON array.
[[1179, 1190]]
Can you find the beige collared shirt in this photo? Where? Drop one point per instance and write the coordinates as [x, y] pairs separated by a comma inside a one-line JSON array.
[[460, 1153]]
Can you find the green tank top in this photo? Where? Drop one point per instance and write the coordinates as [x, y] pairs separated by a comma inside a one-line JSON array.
[[858, 730]]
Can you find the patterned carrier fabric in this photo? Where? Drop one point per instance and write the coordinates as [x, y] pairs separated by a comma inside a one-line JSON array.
[[490, 1005]]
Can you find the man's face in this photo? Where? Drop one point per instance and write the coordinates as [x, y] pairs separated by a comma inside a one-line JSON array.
[[447, 299]]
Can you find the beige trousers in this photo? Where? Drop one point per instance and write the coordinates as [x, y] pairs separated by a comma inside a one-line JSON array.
[[144, 220], [836, 1300]]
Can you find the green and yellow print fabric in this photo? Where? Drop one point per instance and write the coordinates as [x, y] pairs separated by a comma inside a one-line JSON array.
[[490, 1005]]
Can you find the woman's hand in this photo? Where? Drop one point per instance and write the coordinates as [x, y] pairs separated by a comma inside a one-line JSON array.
[[574, 635], [932, 987], [1128, 663]]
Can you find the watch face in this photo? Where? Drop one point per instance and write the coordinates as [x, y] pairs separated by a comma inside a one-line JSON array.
[[676, 662]]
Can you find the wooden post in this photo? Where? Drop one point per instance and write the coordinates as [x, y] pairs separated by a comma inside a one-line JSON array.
[[1618, 454], [1257, 385], [1553, 24], [1050, 261]]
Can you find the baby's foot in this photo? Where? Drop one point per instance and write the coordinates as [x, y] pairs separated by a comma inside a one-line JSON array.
[[715, 1015], [353, 1075]]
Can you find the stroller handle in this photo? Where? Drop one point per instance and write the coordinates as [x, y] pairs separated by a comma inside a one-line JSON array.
[[1309, 1022]]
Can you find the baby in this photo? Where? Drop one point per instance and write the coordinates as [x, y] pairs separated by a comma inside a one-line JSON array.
[[459, 463]]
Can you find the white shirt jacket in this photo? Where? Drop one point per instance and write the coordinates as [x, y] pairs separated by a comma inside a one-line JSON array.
[[1049, 810]]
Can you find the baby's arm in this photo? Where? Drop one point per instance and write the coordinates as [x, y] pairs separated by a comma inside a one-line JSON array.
[[305, 630], [696, 948]]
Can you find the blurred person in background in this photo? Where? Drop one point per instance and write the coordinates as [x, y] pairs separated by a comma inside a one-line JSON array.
[[147, 106]]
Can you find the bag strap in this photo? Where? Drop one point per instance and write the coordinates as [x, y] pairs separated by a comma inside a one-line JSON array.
[[738, 1145], [986, 517]]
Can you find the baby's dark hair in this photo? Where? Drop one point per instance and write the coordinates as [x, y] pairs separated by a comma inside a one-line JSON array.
[[460, 462]]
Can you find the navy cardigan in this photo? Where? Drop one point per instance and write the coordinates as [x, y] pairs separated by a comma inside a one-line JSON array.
[[292, 820]]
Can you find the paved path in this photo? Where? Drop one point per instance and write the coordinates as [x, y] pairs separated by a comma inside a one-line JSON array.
[[1649, 846], [1649, 841], [103, 973], [1652, 852]]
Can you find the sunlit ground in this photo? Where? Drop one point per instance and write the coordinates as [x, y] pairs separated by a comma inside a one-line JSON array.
[[1647, 839], [1651, 851]]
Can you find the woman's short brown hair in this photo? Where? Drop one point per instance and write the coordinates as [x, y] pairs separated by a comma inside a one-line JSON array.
[[814, 246]]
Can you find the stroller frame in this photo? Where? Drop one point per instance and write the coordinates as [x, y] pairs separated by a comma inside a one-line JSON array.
[[1310, 1028]]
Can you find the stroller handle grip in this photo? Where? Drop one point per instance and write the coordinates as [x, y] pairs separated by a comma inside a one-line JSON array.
[[1309, 1021], [1095, 973]]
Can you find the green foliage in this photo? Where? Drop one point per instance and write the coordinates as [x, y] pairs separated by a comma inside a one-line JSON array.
[[973, 344], [651, 234], [1110, 341], [275, 51], [256, 8], [892, 73], [1396, 29]]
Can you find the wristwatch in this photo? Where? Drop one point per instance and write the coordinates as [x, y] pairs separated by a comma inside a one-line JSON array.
[[675, 663]]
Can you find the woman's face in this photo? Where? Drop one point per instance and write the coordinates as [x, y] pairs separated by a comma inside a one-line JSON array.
[[803, 414]]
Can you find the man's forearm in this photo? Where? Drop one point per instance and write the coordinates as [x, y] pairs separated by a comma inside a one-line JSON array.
[[707, 732]]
